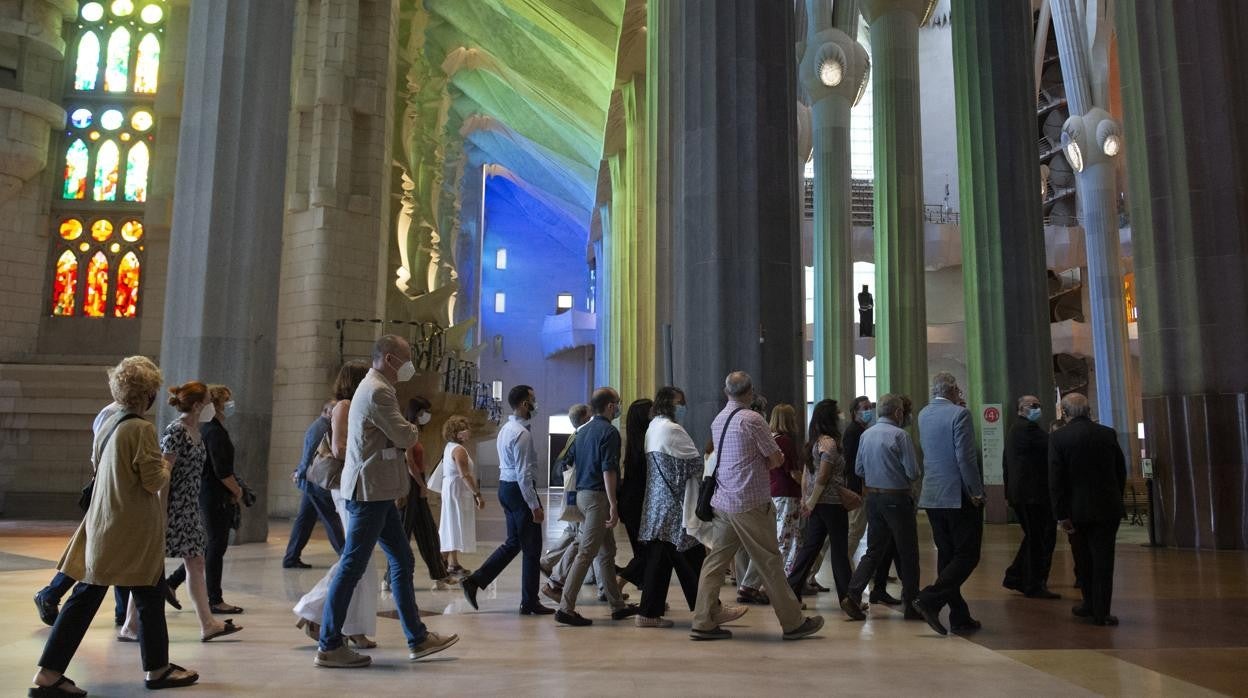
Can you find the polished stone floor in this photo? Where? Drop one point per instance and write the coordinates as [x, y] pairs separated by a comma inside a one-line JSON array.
[[1183, 614]]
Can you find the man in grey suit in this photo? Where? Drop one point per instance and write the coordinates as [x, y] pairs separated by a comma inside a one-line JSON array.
[[953, 495]]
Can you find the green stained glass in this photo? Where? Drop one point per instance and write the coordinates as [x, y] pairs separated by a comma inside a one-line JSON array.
[[87, 65], [77, 159], [117, 64], [147, 65], [107, 164], [136, 172]]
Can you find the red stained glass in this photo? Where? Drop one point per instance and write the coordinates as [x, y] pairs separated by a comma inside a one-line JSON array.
[[127, 301], [97, 286], [65, 284]]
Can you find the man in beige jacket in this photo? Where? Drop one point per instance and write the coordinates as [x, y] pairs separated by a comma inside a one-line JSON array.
[[373, 477]]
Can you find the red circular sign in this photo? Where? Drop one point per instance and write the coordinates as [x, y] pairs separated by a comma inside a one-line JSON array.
[[991, 415]]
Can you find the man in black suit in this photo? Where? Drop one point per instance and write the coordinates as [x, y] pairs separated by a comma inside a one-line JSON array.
[[1087, 474], [1027, 490]]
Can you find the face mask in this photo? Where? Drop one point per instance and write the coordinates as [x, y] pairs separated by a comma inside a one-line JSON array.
[[423, 418], [406, 371], [463, 435], [229, 408], [206, 414], [151, 401], [867, 416], [532, 408], [681, 411], [1034, 414]]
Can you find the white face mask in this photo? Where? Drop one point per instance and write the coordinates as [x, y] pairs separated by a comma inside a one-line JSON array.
[[406, 371], [206, 414], [423, 418], [229, 408], [463, 435]]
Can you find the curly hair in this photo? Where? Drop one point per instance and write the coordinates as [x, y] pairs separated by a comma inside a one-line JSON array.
[[185, 397], [220, 394], [454, 424], [133, 382]]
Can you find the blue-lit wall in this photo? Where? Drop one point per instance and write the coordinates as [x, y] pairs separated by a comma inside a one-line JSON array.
[[546, 256]]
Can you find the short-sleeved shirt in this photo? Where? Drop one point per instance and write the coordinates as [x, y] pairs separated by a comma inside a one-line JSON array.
[[742, 462], [597, 450], [219, 465]]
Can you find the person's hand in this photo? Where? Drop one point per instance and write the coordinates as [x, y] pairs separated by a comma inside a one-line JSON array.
[[1067, 526], [400, 502], [539, 515], [978, 501], [805, 512], [170, 458], [294, 477], [613, 518], [478, 500]]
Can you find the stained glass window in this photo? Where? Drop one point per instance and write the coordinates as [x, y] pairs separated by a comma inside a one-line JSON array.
[[101, 230], [127, 302], [80, 118], [97, 286], [111, 120], [107, 164], [71, 229], [117, 64], [152, 14], [87, 67], [65, 284], [77, 160], [147, 65], [141, 121], [132, 231], [136, 172]]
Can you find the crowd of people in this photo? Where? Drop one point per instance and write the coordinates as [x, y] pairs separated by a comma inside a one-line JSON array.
[[758, 499]]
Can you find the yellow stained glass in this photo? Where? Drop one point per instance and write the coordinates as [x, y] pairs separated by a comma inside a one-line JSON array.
[[97, 286], [136, 172], [115, 247], [107, 165], [117, 62], [87, 63], [71, 229], [126, 304], [141, 121], [84, 246], [122, 8], [101, 230], [131, 231], [77, 167], [65, 284], [147, 65]]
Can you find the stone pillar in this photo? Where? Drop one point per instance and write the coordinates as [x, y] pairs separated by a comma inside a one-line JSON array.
[[833, 72], [1009, 347], [1098, 212], [737, 268], [226, 244], [900, 299], [1186, 113]]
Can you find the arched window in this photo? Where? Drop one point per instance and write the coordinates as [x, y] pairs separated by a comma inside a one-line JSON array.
[[107, 149]]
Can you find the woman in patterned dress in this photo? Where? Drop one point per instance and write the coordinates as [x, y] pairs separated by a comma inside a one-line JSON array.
[[185, 536], [786, 487]]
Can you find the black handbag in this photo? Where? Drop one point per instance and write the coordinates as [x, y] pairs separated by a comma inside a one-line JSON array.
[[710, 483], [84, 499]]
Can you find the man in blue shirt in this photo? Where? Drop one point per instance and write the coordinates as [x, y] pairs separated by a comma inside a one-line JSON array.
[[517, 492], [597, 457], [888, 466], [316, 502], [953, 495]]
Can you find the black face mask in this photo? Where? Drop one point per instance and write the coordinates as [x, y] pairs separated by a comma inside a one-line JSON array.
[[151, 401]]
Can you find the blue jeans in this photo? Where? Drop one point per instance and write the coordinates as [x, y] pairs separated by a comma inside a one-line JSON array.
[[62, 583], [368, 524], [523, 536], [317, 503]]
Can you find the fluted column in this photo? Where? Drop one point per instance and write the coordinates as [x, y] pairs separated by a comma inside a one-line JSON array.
[[226, 247], [1188, 171], [1009, 346], [901, 303]]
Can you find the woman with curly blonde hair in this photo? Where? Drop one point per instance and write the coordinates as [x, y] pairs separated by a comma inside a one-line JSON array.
[[461, 495]]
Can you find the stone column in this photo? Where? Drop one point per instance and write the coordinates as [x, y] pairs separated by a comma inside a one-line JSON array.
[[226, 243], [737, 268], [833, 71], [1185, 102], [1009, 348], [1098, 213], [901, 301]]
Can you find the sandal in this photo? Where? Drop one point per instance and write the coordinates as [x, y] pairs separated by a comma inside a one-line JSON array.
[[228, 629], [361, 642], [310, 628], [165, 680], [226, 609], [55, 690]]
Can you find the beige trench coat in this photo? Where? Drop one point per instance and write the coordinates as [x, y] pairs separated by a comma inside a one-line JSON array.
[[121, 540]]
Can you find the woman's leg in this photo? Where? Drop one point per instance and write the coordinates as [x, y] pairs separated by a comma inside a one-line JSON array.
[[658, 576], [836, 519], [812, 540], [130, 628], [199, 595], [71, 625]]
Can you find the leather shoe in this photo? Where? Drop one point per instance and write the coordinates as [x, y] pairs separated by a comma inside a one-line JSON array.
[[1107, 620], [574, 619], [1013, 586], [716, 633], [627, 612], [48, 609], [296, 565], [852, 606], [1042, 593], [931, 616], [470, 591], [538, 610], [884, 597], [1081, 611], [965, 627]]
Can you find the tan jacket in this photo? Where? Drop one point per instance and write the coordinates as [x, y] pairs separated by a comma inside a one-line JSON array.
[[377, 435], [121, 540]]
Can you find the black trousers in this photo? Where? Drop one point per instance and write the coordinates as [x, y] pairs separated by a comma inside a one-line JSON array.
[[661, 559], [1030, 569], [958, 534], [61, 584], [317, 503], [890, 521], [77, 613], [523, 536], [889, 559], [217, 518], [826, 522], [1092, 544], [418, 523], [631, 504]]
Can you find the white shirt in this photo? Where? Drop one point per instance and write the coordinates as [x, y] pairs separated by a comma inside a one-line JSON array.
[[517, 458]]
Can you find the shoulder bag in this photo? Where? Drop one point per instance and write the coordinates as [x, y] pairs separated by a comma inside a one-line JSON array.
[[84, 499], [710, 483], [325, 470]]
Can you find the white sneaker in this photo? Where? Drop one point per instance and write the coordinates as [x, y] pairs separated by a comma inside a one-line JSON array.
[[342, 658]]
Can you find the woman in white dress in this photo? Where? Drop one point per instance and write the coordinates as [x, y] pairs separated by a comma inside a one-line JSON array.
[[461, 495], [362, 612]]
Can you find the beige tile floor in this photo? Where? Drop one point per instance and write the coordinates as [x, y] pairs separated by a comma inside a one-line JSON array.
[[1028, 648]]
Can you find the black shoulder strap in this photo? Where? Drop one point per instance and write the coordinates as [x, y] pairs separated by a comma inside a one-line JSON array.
[[719, 448], [104, 443]]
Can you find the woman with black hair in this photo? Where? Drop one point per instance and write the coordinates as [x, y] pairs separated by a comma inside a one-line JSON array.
[[632, 490], [827, 517]]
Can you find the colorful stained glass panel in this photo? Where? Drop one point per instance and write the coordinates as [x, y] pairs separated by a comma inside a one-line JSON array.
[[65, 284], [136, 172], [92, 12], [71, 229], [107, 166], [131, 231], [147, 65], [80, 118], [111, 120], [77, 166], [97, 286], [142, 120], [126, 304], [117, 63], [122, 8], [101, 230], [87, 64]]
